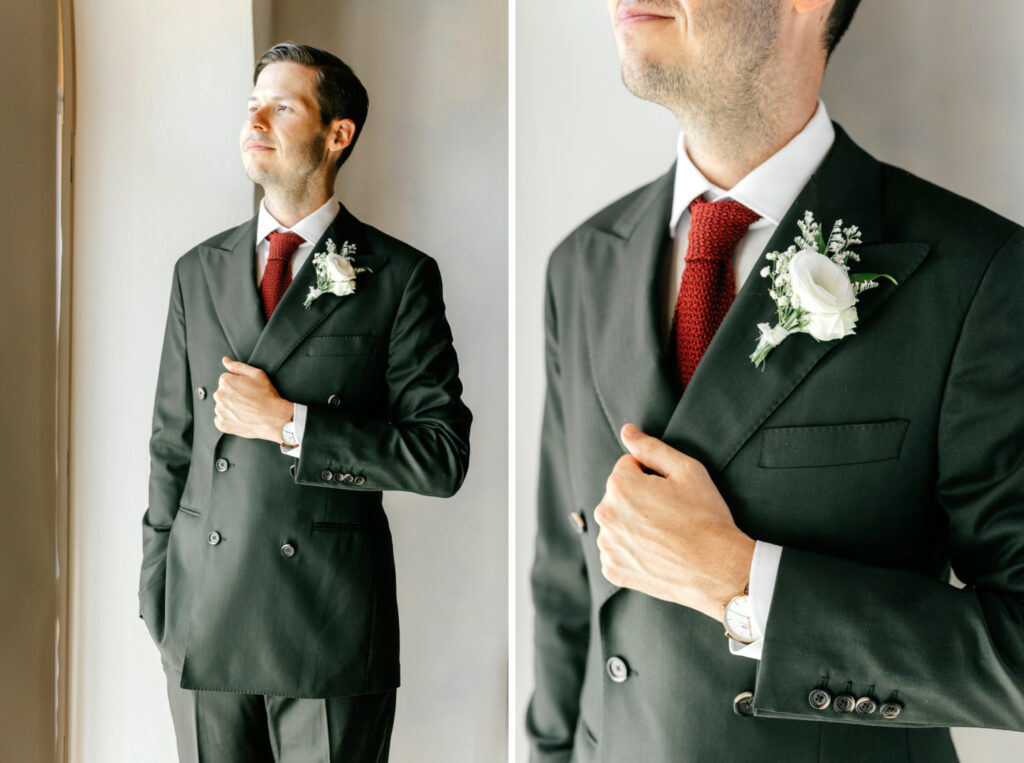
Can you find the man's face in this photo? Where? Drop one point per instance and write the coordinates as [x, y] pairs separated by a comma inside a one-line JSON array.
[[682, 53], [283, 140]]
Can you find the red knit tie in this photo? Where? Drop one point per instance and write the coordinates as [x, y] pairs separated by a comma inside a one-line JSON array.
[[707, 287], [278, 273]]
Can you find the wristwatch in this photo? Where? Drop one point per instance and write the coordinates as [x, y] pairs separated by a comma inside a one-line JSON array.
[[738, 618], [288, 438]]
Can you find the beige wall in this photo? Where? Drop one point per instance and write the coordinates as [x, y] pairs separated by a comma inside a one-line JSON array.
[[160, 102], [931, 85], [28, 257], [431, 169]]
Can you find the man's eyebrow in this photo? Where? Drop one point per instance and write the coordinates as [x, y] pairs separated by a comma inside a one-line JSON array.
[[275, 97]]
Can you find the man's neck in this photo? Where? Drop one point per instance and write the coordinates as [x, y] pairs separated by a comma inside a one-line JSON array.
[[288, 210], [725, 157]]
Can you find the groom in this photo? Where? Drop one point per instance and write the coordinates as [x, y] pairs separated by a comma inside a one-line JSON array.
[[810, 509], [293, 389]]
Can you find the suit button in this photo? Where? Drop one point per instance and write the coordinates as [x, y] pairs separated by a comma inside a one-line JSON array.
[[844, 703], [617, 669], [865, 706], [213, 538], [334, 401], [291, 470], [348, 478], [819, 699], [327, 474], [288, 550], [222, 464], [341, 477], [360, 479], [579, 522], [743, 704], [891, 709], [201, 393]]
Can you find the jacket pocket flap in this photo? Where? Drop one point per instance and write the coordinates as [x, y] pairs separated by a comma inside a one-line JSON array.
[[341, 344], [833, 445]]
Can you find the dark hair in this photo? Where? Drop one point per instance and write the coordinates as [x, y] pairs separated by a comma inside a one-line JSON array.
[[838, 20], [339, 93]]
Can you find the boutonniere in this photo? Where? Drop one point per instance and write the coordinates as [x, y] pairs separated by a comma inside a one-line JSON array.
[[335, 273], [813, 288]]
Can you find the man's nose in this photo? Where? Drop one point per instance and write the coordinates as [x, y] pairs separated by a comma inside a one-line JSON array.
[[256, 119]]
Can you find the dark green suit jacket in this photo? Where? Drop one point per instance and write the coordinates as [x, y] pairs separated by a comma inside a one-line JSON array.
[[222, 597], [877, 461]]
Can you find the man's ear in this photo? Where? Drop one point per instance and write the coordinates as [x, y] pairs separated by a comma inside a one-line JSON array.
[[803, 6], [341, 135]]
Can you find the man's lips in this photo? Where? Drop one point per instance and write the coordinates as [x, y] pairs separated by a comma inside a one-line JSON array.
[[631, 14], [251, 146]]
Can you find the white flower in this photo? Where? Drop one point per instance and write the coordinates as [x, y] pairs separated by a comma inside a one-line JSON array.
[[335, 273], [343, 288], [812, 288], [824, 292], [339, 268]]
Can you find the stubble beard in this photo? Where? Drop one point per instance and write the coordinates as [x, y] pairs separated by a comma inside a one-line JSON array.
[[729, 96], [298, 181]]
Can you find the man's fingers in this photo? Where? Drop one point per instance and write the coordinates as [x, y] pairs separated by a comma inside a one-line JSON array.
[[651, 452], [238, 367]]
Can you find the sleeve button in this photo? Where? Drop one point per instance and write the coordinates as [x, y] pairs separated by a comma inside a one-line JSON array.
[[891, 710], [819, 699], [327, 474], [844, 703], [866, 706]]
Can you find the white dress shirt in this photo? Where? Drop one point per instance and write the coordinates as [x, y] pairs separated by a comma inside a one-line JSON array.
[[311, 228], [769, 189]]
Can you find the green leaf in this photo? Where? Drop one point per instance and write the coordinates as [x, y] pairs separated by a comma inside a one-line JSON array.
[[858, 277]]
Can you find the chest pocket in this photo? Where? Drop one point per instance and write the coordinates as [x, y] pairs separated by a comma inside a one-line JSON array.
[[832, 445], [341, 344]]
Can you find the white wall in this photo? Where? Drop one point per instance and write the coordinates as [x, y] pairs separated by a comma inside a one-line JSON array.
[[160, 102], [431, 169], [931, 85]]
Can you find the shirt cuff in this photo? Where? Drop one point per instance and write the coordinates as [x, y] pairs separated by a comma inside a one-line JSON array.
[[764, 569], [299, 416]]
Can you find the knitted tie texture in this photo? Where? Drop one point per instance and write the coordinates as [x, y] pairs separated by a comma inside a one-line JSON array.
[[278, 273], [708, 286]]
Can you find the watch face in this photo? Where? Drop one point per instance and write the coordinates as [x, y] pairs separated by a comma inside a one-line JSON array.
[[288, 433], [737, 619]]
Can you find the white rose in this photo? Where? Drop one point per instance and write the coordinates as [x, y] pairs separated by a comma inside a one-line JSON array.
[[823, 291], [339, 268], [342, 288]]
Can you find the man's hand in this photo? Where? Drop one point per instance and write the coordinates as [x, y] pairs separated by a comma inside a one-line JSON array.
[[670, 534], [247, 405]]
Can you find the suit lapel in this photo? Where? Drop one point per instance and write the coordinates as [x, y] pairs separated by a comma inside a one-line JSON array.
[[728, 398], [230, 272], [619, 271]]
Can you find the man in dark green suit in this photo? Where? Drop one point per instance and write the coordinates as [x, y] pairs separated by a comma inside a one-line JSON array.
[[295, 386], [817, 503]]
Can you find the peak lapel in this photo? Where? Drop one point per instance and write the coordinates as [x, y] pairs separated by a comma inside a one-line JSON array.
[[728, 398], [291, 322], [230, 271], [619, 270]]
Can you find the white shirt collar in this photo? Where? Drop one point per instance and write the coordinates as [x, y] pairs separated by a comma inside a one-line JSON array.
[[311, 227], [771, 187]]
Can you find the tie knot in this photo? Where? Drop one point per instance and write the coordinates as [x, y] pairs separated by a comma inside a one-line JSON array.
[[283, 244], [716, 227]]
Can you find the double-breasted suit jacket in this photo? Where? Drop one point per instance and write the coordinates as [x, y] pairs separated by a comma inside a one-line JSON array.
[[877, 461], [267, 574]]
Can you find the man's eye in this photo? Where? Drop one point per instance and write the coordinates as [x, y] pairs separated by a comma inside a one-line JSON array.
[[282, 108]]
